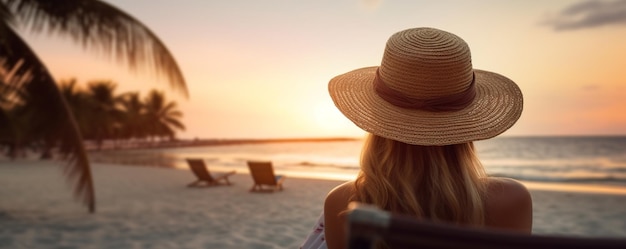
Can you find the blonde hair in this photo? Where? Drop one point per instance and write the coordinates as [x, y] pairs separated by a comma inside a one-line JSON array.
[[440, 183]]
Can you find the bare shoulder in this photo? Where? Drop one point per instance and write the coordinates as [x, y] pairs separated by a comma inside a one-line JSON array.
[[337, 199], [507, 188], [335, 205], [508, 205]]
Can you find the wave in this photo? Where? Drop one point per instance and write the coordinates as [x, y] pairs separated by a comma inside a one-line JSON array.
[[602, 179], [619, 178], [327, 165], [587, 179]]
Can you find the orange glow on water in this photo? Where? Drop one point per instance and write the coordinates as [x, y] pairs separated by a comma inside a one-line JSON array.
[[579, 188]]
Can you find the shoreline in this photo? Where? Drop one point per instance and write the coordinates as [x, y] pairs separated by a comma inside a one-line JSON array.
[[194, 142], [565, 187], [576, 187]]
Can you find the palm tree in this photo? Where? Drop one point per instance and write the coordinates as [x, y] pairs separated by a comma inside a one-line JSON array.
[[95, 25], [78, 101], [133, 116], [11, 103], [104, 113], [162, 117]]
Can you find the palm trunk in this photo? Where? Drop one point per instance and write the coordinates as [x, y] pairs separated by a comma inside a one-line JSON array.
[[85, 178]]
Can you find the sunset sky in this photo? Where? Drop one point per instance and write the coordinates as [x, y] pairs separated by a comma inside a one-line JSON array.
[[260, 69]]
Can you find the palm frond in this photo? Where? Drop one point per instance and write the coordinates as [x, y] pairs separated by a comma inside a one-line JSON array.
[[100, 26], [173, 114], [54, 113], [170, 108], [5, 14], [171, 121]]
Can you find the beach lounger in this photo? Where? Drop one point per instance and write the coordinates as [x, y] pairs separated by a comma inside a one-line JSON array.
[[204, 176], [368, 225], [263, 174]]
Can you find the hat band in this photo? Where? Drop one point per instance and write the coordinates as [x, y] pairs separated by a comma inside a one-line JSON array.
[[452, 102]]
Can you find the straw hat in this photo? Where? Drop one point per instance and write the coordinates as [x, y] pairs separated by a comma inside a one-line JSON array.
[[425, 92]]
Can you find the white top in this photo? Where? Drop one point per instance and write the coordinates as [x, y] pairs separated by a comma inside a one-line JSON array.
[[315, 239]]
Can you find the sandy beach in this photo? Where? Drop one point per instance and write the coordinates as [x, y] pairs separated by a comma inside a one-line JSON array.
[[143, 207]]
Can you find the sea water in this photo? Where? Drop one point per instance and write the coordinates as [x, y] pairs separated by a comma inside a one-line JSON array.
[[597, 160]]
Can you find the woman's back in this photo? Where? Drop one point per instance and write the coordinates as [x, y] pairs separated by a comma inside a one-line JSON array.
[[508, 206]]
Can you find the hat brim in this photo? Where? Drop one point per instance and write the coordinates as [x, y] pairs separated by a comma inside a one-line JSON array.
[[497, 106]]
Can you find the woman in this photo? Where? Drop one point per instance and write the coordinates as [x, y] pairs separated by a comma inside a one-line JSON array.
[[423, 107]]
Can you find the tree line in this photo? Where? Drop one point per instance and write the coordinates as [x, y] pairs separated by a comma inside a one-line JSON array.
[[101, 115]]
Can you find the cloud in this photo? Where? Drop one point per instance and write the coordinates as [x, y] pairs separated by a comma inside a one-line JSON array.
[[589, 14]]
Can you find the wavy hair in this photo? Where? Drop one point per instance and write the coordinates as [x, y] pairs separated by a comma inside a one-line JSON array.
[[440, 183]]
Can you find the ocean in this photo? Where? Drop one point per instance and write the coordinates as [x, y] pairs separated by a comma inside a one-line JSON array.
[[582, 159]]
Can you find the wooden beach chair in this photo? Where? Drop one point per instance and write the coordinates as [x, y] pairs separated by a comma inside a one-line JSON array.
[[201, 171], [263, 174], [368, 226]]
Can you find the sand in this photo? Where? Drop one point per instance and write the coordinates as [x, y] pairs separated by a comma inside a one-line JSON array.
[[142, 207]]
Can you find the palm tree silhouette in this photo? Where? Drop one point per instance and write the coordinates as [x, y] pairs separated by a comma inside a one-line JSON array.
[[133, 117], [162, 117], [95, 25], [13, 112], [104, 111]]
